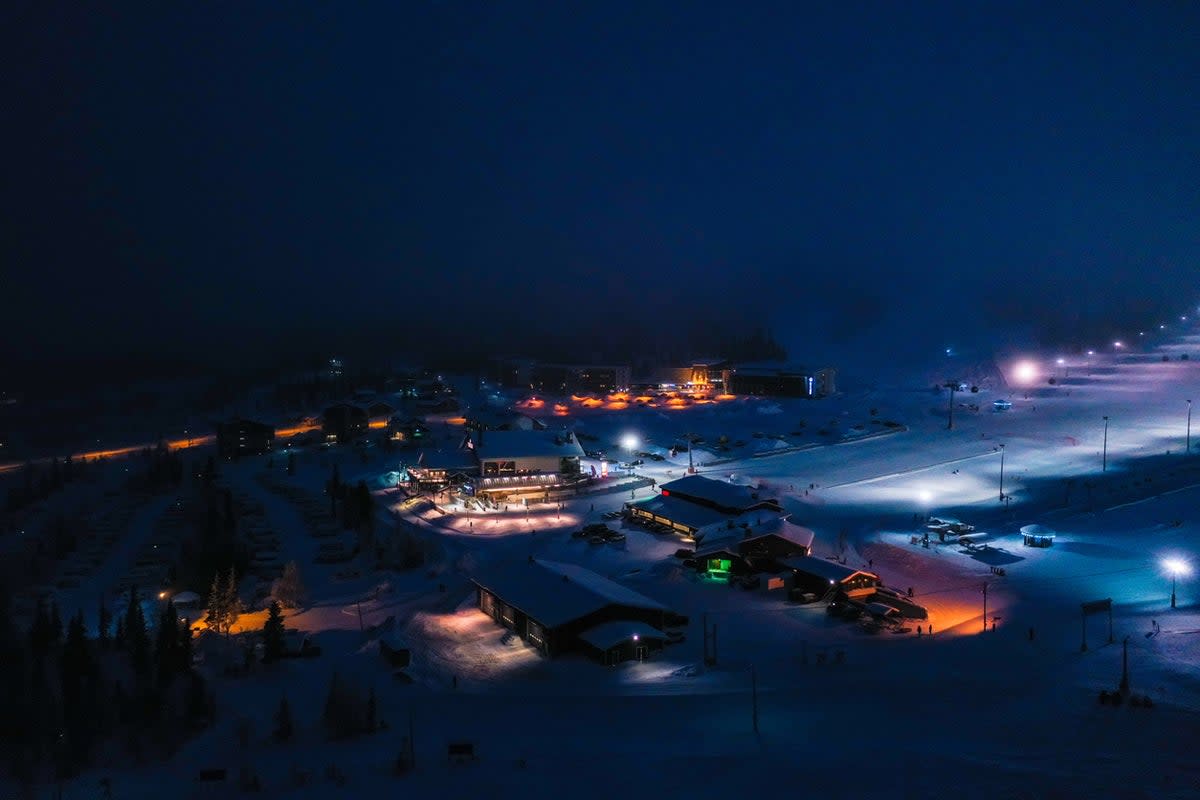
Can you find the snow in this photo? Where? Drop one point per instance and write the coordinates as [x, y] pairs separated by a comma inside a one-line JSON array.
[[999, 705]]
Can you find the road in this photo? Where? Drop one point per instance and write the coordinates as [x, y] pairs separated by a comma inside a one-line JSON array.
[[173, 444]]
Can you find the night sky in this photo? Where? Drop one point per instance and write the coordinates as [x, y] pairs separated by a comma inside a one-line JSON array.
[[249, 179]]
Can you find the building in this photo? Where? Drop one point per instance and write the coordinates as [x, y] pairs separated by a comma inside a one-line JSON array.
[[700, 375], [752, 548], [558, 608], [580, 378], [783, 381], [408, 430], [435, 470], [560, 378], [379, 413], [487, 418], [344, 422], [821, 576], [510, 461], [244, 437], [693, 503]]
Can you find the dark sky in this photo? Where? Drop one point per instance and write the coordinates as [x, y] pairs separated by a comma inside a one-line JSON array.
[[277, 175]]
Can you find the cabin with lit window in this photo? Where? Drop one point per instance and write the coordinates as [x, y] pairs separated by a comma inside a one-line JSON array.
[[409, 431], [820, 576], [694, 502], [558, 608]]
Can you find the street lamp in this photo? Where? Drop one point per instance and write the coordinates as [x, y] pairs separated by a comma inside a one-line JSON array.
[[1001, 473], [630, 443], [1176, 567], [1104, 457]]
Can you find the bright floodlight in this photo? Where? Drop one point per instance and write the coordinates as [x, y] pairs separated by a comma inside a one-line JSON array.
[[1025, 372], [925, 496], [1062, 361], [629, 442], [1091, 352], [1117, 344], [1177, 566]]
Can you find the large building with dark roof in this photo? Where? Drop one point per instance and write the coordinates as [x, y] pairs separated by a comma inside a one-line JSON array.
[[559, 608], [693, 503], [510, 461]]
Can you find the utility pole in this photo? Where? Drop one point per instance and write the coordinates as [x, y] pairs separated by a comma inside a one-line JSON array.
[[953, 387], [1104, 457], [691, 467], [1001, 473], [985, 606]]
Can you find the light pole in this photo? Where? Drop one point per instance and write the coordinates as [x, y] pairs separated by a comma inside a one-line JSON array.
[[1104, 451], [953, 387], [1176, 567], [1002, 473], [630, 443]]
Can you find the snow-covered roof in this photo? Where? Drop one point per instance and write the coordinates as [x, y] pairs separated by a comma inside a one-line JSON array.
[[554, 593], [681, 511], [731, 540], [726, 495], [823, 568], [526, 444], [611, 634], [785, 529]]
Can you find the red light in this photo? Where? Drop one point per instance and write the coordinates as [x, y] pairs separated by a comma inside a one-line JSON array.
[[666, 492]]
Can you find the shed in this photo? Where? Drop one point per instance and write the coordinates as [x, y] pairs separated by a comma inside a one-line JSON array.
[[1037, 536]]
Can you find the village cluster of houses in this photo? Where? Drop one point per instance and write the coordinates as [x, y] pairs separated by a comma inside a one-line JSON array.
[[740, 535], [703, 375]]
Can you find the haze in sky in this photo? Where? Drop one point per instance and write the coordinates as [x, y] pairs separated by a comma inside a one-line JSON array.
[[237, 182]]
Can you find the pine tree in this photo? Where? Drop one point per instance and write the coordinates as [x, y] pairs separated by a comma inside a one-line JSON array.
[[273, 634], [283, 721], [289, 588], [166, 645], [231, 602], [136, 636], [119, 637], [215, 616], [104, 623]]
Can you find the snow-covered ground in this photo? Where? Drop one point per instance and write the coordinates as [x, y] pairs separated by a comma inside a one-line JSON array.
[[1010, 712]]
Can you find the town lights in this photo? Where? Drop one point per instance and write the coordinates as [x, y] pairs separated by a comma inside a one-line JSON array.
[[1176, 567]]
